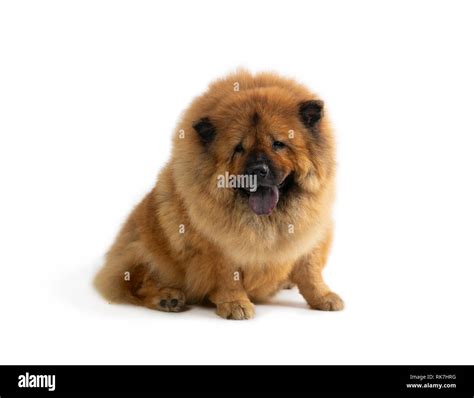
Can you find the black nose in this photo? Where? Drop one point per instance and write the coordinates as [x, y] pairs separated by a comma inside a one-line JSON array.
[[259, 169]]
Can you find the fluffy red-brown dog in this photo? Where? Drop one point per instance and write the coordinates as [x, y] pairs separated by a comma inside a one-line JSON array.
[[242, 207]]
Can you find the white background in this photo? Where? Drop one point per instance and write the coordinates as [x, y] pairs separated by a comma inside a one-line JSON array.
[[90, 92]]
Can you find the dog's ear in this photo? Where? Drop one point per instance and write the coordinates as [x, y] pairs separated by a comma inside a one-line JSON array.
[[311, 112], [205, 130]]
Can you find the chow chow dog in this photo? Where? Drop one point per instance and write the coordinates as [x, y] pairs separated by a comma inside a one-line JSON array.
[[192, 241]]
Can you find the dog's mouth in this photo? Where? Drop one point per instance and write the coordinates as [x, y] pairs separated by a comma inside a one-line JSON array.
[[264, 199]]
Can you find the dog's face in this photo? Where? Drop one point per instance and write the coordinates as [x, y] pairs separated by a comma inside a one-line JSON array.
[[275, 136], [273, 140]]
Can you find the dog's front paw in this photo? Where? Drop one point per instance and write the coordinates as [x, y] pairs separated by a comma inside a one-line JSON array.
[[329, 302], [236, 310]]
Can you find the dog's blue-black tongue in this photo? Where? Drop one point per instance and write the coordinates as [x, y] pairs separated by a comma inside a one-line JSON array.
[[264, 200]]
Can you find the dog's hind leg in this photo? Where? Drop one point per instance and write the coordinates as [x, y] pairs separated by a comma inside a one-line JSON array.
[[146, 289], [125, 279]]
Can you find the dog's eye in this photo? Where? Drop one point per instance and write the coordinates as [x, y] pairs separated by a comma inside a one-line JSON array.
[[278, 145], [239, 148]]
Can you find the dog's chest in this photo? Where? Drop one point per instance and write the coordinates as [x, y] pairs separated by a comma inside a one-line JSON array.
[[260, 282]]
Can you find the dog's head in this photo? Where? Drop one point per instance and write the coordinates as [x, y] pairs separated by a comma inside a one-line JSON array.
[[268, 142]]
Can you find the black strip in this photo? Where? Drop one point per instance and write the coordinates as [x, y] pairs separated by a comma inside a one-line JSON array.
[[454, 380]]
